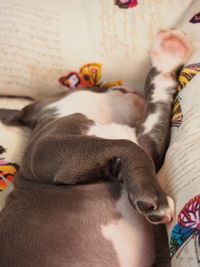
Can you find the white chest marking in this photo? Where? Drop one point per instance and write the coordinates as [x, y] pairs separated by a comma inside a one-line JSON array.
[[150, 122], [113, 131], [131, 236], [164, 89], [103, 108]]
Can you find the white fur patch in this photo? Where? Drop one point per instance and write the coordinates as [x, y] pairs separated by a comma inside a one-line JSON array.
[[171, 204], [113, 131], [150, 122], [131, 236], [164, 89], [103, 108], [164, 62]]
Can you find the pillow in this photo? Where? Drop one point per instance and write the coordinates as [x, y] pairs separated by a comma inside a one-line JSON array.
[[180, 174], [42, 41], [12, 145]]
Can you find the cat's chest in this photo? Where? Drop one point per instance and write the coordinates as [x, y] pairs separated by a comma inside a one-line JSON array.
[[103, 108], [114, 113]]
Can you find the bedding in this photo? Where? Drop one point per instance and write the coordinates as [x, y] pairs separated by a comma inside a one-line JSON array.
[[13, 141], [43, 41], [44, 49], [180, 174]]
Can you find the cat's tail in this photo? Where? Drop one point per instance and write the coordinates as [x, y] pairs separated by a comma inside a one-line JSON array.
[[14, 117], [10, 116]]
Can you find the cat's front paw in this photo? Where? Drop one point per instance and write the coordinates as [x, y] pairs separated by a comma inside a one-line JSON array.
[[157, 208], [170, 50]]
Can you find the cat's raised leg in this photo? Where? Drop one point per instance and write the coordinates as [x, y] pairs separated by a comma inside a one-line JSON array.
[[171, 50]]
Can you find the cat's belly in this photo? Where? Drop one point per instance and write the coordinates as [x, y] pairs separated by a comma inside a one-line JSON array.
[[131, 236], [94, 228], [113, 131], [103, 108]]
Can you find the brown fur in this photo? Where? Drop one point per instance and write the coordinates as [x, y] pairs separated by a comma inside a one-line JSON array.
[[53, 217], [48, 221]]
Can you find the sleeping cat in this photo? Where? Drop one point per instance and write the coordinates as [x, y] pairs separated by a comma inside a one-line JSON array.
[[87, 186]]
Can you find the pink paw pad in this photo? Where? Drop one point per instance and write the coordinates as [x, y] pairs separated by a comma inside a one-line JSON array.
[[171, 49]]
